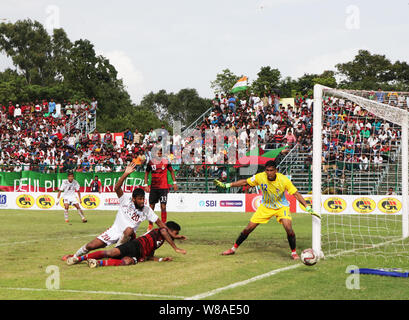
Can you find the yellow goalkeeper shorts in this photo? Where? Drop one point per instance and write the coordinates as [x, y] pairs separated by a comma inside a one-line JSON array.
[[263, 214]]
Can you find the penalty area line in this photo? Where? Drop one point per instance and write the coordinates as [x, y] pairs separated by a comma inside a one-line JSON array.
[[242, 283], [97, 292]]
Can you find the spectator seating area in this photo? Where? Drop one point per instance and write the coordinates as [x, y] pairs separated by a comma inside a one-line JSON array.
[[51, 136]]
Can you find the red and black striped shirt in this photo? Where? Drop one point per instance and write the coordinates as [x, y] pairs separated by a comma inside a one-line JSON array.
[[150, 242], [159, 173]]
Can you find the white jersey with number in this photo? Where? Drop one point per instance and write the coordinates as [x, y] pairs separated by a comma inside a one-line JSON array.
[[69, 189], [128, 216]]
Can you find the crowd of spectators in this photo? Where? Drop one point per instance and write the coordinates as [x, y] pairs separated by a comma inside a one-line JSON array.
[[355, 140], [36, 135], [43, 136], [39, 136], [277, 124]]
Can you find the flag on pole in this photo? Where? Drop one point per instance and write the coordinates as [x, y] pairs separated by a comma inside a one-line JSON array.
[[240, 85]]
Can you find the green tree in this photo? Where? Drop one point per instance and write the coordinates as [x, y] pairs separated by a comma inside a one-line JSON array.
[[268, 79], [305, 84], [224, 81], [61, 47], [130, 117], [366, 71], [29, 46], [184, 106], [286, 87], [401, 75]]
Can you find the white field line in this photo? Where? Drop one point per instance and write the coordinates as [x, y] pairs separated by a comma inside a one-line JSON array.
[[97, 292], [48, 239], [242, 283], [201, 295], [273, 272]]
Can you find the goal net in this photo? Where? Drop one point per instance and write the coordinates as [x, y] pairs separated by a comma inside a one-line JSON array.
[[360, 171]]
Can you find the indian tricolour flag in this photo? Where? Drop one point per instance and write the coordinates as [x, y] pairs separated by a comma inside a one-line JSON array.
[[240, 85]]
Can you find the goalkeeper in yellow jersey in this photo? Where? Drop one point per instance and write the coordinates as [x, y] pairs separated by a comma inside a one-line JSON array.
[[273, 204]]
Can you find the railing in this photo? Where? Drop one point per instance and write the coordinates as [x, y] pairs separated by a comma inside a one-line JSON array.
[[366, 94], [199, 177], [193, 125], [190, 177], [86, 123], [284, 166]]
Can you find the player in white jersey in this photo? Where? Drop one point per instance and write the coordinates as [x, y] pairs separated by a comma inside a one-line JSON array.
[[69, 188], [131, 213]]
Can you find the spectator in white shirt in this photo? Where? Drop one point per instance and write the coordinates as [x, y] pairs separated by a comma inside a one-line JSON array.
[[372, 140], [377, 161], [17, 111], [363, 165]]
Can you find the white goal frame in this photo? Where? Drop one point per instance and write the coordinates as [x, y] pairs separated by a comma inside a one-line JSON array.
[[393, 114]]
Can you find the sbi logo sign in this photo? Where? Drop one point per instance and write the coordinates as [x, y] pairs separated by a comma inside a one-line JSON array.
[[208, 203], [3, 199]]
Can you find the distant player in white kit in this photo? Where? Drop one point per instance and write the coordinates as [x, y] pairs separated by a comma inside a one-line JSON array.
[[131, 213], [69, 188]]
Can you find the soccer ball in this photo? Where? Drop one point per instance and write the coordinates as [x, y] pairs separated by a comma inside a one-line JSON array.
[[308, 257]]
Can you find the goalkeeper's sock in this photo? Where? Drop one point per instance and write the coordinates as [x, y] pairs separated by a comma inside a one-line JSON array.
[[291, 241], [243, 236]]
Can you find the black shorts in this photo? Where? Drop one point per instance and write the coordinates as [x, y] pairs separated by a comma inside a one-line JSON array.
[[158, 195], [130, 249]]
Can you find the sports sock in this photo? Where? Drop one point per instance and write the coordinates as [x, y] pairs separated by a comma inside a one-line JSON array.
[[81, 251], [291, 241], [81, 214], [65, 214], [93, 255], [243, 236], [164, 215], [111, 262]]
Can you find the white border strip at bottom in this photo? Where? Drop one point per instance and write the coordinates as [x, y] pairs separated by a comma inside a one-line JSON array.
[[242, 283]]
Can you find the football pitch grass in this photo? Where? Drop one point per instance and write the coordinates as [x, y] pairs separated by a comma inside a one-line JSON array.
[[31, 241]]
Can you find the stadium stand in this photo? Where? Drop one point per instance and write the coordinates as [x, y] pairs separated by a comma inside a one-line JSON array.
[[48, 136]]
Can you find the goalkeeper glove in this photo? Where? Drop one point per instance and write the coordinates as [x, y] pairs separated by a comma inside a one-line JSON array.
[[222, 185], [312, 212]]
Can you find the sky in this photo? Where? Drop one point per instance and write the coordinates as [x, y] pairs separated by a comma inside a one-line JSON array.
[[180, 44]]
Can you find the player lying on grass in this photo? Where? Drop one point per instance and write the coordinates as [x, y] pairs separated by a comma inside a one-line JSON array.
[[68, 188], [131, 213], [273, 204], [137, 250]]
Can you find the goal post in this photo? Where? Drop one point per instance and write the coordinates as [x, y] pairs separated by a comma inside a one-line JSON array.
[[316, 168], [349, 231], [405, 186]]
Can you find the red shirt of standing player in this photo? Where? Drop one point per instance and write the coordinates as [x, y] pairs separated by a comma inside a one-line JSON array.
[[159, 188]]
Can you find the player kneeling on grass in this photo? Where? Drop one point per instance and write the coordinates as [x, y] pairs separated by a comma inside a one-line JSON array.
[[131, 213], [273, 204], [137, 250]]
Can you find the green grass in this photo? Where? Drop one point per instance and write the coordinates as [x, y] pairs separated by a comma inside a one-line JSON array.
[[30, 241]]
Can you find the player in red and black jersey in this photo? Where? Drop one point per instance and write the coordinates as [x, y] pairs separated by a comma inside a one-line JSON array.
[[159, 188], [137, 250]]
